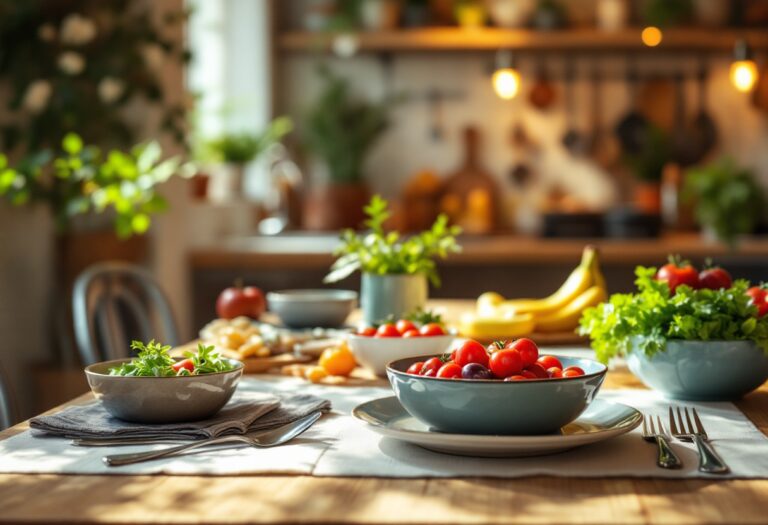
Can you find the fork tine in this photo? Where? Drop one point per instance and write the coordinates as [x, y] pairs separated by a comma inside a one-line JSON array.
[[661, 426], [672, 425], [645, 426], [681, 422], [650, 422], [699, 424], [691, 427]]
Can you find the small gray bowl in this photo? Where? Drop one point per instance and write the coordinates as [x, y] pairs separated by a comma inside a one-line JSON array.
[[325, 308], [493, 407], [162, 399], [701, 370]]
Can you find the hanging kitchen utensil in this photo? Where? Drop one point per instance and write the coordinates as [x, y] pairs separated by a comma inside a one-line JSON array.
[[684, 147], [602, 147], [704, 128], [760, 94], [543, 93], [632, 129], [574, 140], [435, 101]]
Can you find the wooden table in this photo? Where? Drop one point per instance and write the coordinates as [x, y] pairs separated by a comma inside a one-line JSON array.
[[304, 499]]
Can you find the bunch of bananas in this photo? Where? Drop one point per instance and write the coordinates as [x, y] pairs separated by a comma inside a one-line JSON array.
[[560, 312]]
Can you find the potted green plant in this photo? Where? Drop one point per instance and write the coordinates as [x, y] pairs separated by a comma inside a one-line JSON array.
[[235, 150], [395, 270], [728, 201], [647, 165], [339, 131]]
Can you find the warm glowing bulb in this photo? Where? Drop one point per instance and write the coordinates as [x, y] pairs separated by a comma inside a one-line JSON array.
[[651, 36], [744, 75], [506, 82]]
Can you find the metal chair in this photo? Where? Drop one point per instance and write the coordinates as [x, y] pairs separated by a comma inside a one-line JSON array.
[[114, 303], [8, 414]]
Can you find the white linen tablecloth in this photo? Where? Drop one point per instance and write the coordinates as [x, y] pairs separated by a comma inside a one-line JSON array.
[[339, 445]]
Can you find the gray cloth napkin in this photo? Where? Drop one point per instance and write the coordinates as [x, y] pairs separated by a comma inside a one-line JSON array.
[[246, 412]]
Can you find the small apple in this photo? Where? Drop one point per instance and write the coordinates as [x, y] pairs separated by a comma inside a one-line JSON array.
[[238, 300]]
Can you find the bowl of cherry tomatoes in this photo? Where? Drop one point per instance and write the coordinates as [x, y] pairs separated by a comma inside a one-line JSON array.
[[507, 388], [375, 346]]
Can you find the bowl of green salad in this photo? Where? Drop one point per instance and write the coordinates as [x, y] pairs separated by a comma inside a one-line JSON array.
[[690, 335], [154, 387]]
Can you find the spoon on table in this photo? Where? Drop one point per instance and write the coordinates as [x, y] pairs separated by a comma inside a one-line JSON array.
[[271, 438]]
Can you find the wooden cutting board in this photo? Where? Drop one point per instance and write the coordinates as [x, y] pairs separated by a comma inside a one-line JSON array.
[[252, 365]]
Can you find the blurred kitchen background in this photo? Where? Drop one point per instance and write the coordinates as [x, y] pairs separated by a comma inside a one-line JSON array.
[[537, 125]]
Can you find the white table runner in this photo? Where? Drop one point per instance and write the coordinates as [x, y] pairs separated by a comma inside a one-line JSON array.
[[339, 445]]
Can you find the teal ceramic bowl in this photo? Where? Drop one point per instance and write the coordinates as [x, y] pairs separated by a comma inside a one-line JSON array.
[[492, 407], [702, 370]]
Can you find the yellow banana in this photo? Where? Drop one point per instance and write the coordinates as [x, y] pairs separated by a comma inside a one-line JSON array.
[[567, 318], [488, 303], [580, 279], [501, 327]]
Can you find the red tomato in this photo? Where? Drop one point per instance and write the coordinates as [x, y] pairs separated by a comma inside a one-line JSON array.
[[516, 378], [415, 368], [536, 369], [429, 373], [471, 352], [549, 361], [715, 279], [573, 371], [387, 330], [529, 352], [528, 374], [403, 325], [449, 370], [759, 296], [555, 372], [432, 329], [236, 301], [368, 331], [496, 346], [411, 333], [184, 363], [675, 275], [505, 363], [433, 363]]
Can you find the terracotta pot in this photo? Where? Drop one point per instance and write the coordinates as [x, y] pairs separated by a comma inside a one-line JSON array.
[[648, 197], [335, 206]]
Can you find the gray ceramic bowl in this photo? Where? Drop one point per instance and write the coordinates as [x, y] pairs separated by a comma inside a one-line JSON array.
[[702, 370], [312, 308], [468, 406], [162, 399]]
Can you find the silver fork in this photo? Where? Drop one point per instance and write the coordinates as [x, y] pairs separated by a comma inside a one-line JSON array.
[[693, 430], [272, 438], [667, 457]]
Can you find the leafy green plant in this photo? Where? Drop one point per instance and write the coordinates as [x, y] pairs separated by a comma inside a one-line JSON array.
[[663, 13], [340, 128], [81, 179], [386, 253], [727, 198], [240, 148], [648, 164], [154, 360], [652, 316]]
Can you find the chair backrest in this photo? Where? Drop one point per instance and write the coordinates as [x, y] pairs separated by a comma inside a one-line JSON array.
[[7, 404], [114, 303]]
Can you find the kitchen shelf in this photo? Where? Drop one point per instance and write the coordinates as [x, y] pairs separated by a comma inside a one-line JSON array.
[[454, 39]]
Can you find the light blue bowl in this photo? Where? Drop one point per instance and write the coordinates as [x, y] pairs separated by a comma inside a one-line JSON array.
[[469, 406], [702, 370]]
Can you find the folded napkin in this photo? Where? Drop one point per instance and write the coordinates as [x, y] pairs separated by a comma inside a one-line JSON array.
[[246, 412]]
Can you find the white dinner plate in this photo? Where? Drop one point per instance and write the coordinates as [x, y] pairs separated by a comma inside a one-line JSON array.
[[600, 421]]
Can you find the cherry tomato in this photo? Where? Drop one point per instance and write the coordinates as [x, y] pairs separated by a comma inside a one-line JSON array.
[[433, 363], [678, 274], [404, 325], [536, 369], [449, 370], [529, 352], [415, 368], [548, 361], [528, 374], [516, 378], [505, 363], [573, 371], [411, 333], [185, 364], [496, 346], [432, 329], [759, 299], [470, 352], [368, 331], [475, 371], [387, 330], [429, 373], [715, 279], [555, 372]]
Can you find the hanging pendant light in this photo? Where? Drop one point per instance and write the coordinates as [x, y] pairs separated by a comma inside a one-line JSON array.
[[506, 78], [743, 68]]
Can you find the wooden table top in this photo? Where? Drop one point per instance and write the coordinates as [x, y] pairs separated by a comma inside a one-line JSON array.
[[305, 499]]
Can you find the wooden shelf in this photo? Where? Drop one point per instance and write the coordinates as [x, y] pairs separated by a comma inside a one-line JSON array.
[[488, 39]]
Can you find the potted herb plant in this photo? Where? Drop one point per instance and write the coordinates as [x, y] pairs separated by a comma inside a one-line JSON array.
[[339, 131], [395, 270], [728, 202]]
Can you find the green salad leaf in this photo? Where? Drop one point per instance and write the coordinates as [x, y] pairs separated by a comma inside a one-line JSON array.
[[208, 361], [154, 360], [652, 315]]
